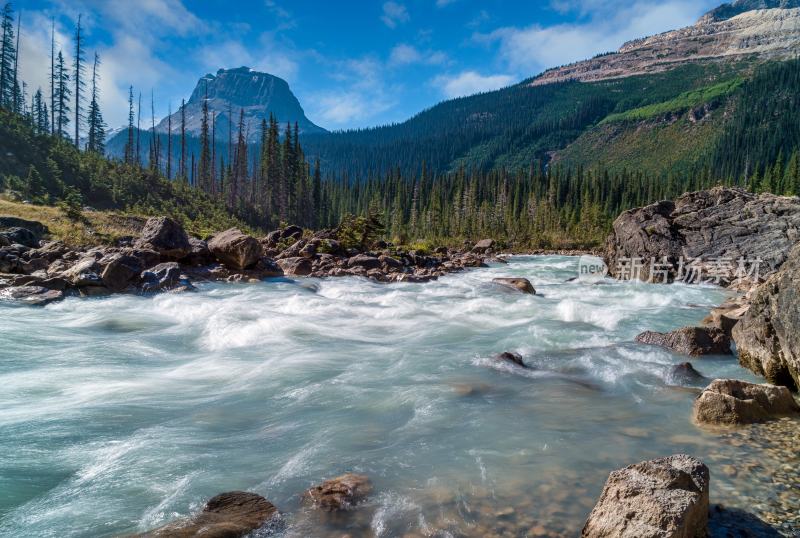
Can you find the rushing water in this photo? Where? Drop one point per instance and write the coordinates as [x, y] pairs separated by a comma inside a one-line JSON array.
[[120, 414]]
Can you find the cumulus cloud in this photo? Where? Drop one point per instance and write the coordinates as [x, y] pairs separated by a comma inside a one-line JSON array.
[[394, 13], [362, 94], [470, 82], [404, 54], [606, 26]]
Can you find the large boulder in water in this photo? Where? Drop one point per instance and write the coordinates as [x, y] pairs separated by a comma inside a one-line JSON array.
[[235, 249], [120, 270], [720, 223], [228, 515], [730, 402], [31, 295], [296, 266], [768, 335], [522, 285], [692, 341], [165, 236], [662, 498], [341, 493]]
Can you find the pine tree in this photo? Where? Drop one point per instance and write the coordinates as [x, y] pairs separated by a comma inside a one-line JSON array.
[[97, 127], [18, 94], [169, 142], [62, 96], [129, 144], [182, 162], [205, 165], [78, 71], [52, 76], [7, 55]]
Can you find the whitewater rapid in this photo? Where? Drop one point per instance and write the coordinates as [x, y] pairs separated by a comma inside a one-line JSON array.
[[122, 413]]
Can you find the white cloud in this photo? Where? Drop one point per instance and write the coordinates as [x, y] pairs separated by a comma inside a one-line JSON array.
[[470, 82], [529, 50], [361, 96], [394, 13], [404, 54]]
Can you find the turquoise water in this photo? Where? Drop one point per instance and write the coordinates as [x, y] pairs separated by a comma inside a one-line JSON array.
[[120, 414]]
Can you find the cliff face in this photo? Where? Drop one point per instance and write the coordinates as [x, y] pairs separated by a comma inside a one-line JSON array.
[[725, 33], [233, 90]]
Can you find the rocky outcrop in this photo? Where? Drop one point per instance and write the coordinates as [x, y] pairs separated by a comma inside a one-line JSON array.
[[727, 315], [235, 249], [341, 493], [766, 33], [296, 266], [714, 228], [522, 285], [691, 341], [228, 515], [165, 236], [768, 336], [667, 497], [731, 402]]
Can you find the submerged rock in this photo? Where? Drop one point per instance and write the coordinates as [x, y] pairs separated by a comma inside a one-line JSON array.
[[768, 335], [341, 493], [165, 236], [228, 515], [685, 373], [662, 498], [519, 284], [162, 277], [235, 249], [513, 358], [692, 341], [730, 402]]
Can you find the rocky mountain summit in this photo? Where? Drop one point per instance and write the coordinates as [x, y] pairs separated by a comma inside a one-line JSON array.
[[241, 89], [767, 29]]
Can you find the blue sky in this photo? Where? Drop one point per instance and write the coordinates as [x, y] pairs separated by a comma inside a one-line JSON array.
[[351, 63]]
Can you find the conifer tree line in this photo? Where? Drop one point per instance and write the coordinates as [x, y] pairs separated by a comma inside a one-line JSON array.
[[272, 182]]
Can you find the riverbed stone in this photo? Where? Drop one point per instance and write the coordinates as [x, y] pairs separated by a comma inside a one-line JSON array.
[[31, 295], [120, 270], [165, 236], [235, 249], [511, 358], [522, 285], [483, 245], [661, 498], [228, 515], [340, 493], [297, 266], [691, 341], [733, 402], [164, 276]]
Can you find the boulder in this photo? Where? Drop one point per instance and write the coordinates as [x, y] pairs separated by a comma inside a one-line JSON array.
[[235, 249], [390, 263], [165, 236], [20, 236], [228, 515], [31, 295], [119, 271], [720, 223], [730, 402], [84, 273], [691, 341], [726, 316], [768, 335], [483, 245], [296, 266], [15, 222], [164, 276], [365, 261], [522, 285], [199, 253], [292, 232], [661, 498], [509, 357], [341, 493]]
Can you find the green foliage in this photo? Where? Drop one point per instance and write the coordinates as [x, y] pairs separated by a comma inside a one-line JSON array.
[[685, 101], [71, 204]]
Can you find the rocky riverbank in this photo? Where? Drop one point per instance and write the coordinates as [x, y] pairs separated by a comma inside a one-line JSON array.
[[36, 271]]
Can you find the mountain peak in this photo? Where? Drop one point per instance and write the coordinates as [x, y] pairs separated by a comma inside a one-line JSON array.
[[728, 11], [242, 89]]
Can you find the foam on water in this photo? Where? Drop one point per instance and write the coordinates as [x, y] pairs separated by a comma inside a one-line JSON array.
[[122, 413]]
